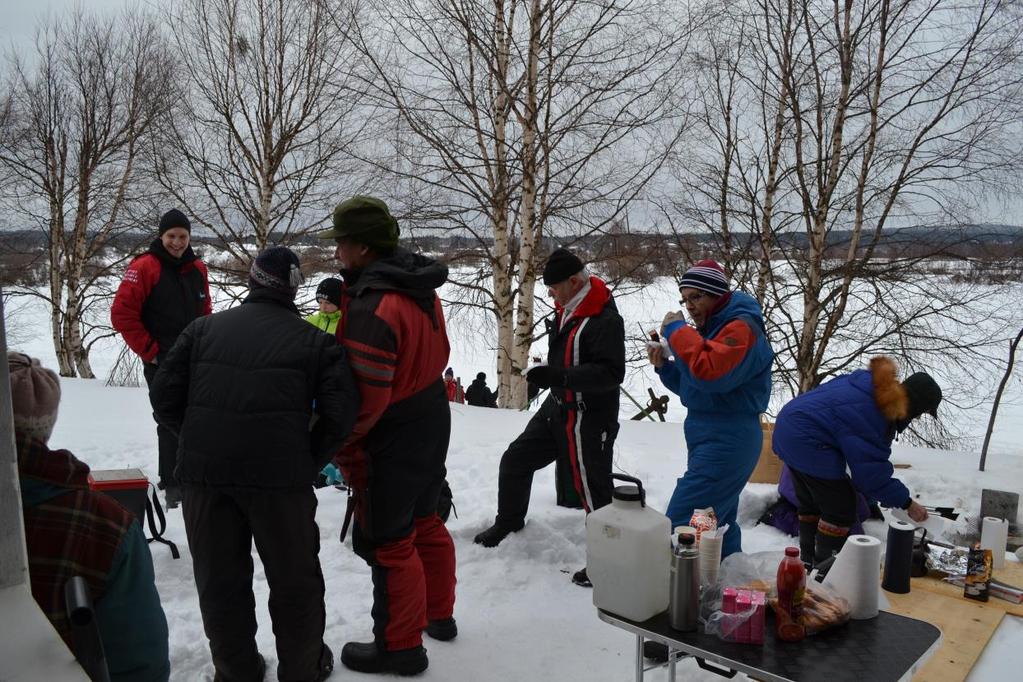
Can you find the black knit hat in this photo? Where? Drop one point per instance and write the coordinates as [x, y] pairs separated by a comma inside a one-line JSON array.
[[924, 394], [329, 290], [482, 376], [561, 265], [174, 218], [277, 268]]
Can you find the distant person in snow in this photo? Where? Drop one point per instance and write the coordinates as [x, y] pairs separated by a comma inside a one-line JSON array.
[[162, 291], [453, 387], [722, 372], [478, 394], [849, 423], [240, 388], [70, 530], [393, 327], [579, 419], [328, 298]]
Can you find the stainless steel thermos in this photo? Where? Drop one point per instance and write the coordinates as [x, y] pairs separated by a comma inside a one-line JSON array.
[[684, 592]]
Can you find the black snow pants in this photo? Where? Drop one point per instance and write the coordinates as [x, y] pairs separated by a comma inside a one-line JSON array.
[[221, 524], [167, 442], [585, 438]]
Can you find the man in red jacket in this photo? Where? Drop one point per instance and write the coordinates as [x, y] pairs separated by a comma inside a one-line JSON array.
[[392, 326]]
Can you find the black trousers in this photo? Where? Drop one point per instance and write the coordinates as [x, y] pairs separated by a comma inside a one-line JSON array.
[[584, 438], [834, 501], [221, 525], [167, 442]]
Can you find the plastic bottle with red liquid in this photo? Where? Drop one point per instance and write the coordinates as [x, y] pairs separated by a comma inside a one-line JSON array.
[[791, 588]]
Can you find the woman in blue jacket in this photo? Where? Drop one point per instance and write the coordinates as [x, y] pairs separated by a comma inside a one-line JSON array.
[[722, 372], [847, 425]]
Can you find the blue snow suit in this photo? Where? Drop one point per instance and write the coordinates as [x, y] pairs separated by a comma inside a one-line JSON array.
[[849, 421], [722, 372]]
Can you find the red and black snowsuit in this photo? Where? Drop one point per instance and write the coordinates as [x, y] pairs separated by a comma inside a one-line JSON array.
[[578, 422], [158, 297], [393, 328]]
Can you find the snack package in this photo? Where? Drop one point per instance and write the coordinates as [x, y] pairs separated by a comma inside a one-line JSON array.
[[740, 617], [703, 520], [978, 575]]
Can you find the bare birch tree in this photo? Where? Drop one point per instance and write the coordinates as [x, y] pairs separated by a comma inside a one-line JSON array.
[[827, 128], [518, 123], [258, 144], [79, 112]]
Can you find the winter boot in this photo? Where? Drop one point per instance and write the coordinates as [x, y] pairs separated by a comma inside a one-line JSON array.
[[258, 677], [493, 536], [326, 663], [655, 651], [443, 630], [581, 579], [369, 657], [808, 538], [829, 540]]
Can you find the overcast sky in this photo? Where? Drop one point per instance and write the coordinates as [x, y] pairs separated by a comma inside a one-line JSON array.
[[18, 18]]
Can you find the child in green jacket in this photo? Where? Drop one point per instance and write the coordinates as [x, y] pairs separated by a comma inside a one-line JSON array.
[[328, 296]]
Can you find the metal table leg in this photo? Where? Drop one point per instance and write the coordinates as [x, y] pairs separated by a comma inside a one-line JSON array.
[[672, 661], [639, 658]]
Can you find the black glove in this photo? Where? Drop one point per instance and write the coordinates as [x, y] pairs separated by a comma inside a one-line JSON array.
[[546, 376]]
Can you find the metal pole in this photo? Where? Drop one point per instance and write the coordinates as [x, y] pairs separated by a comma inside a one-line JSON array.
[[13, 560], [673, 657], [639, 658]]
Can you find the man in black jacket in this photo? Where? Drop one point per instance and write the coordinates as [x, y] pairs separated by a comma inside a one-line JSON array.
[[478, 394], [239, 388], [579, 420]]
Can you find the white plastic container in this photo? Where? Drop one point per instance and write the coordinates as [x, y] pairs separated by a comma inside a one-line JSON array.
[[628, 554]]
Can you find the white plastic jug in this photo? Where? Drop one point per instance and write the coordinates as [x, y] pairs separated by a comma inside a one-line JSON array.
[[628, 554]]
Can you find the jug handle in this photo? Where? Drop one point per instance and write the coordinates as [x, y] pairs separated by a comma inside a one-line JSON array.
[[639, 485]]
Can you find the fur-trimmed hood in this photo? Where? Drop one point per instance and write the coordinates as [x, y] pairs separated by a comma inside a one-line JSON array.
[[889, 394]]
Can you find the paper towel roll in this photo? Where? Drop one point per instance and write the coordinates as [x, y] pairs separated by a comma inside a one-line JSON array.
[[994, 534], [856, 574]]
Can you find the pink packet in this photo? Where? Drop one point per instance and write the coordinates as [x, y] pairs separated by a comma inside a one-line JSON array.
[[728, 599], [756, 624], [743, 604]]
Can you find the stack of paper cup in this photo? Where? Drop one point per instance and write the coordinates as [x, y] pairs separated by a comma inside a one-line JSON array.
[[710, 555], [994, 535], [856, 575]]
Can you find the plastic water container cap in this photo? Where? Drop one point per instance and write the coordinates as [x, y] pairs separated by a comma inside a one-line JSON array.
[[628, 493]]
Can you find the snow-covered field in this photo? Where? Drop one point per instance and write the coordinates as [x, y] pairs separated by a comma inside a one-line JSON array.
[[519, 616]]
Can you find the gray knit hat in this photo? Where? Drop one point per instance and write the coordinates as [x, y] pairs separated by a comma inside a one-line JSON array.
[[35, 395], [278, 268]]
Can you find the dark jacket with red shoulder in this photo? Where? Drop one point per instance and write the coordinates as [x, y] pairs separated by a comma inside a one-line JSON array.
[[158, 297], [590, 347], [393, 329]]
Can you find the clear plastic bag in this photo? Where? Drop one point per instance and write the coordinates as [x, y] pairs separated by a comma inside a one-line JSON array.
[[823, 608]]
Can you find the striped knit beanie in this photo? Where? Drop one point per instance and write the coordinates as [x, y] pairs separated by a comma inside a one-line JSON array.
[[277, 268], [706, 276], [35, 395]]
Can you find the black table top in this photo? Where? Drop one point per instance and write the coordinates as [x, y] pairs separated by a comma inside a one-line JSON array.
[[875, 650]]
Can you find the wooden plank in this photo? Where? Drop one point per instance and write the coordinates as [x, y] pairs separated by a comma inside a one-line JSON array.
[[966, 626]]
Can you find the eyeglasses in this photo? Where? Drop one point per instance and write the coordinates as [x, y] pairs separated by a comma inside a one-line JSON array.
[[691, 299]]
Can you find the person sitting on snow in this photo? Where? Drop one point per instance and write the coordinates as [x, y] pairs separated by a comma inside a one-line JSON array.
[[328, 298], [849, 423], [722, 372], [478, 394], [71, 530]]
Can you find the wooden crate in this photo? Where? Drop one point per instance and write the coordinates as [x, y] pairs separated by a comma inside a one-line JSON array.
[[768, 469]]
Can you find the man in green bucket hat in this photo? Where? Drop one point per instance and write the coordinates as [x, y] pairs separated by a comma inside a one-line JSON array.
[[393, 327]]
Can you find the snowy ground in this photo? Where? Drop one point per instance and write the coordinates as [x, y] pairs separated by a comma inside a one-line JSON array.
[[519, 616]]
